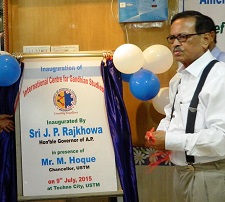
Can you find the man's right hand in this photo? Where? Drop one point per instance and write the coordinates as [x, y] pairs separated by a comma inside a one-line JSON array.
[[6, 123]]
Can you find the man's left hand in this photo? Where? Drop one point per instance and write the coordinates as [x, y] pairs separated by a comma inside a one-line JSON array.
[[159, 137]]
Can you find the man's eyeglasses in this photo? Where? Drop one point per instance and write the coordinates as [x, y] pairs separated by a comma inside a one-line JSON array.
[[180, 37]]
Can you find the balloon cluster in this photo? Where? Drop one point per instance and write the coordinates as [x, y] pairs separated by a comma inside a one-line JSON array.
[[9, 69], [140, 69]]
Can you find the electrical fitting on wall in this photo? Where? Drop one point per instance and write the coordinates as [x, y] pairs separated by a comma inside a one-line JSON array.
[[48, 48], [143, 10]]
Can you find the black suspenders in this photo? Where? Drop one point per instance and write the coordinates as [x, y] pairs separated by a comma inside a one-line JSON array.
[[192, 110]]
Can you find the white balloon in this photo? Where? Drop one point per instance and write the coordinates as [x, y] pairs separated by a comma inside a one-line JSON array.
[[128, 58], [161, 100], [4, 53], [157, 58]]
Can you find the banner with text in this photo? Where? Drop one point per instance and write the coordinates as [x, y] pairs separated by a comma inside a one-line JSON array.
[[65, 138], [212, 8]]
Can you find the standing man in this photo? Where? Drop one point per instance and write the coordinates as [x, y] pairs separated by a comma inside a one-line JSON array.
[[8, 169], [202, 178], [216, 52]]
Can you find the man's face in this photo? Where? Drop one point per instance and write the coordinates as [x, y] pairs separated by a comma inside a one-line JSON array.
[[190, 50]]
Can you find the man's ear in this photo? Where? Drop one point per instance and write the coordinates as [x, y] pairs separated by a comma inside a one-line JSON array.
[[213, 34], [207, 39]]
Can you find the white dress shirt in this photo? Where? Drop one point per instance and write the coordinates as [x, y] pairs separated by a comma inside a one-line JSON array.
[[207, 143], [218, 54]]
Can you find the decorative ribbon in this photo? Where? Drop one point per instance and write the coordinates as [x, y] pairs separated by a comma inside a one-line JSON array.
[[161, 156]]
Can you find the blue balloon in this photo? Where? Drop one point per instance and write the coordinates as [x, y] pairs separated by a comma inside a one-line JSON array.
[[144, 85], [126, 77], [10, 70]]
